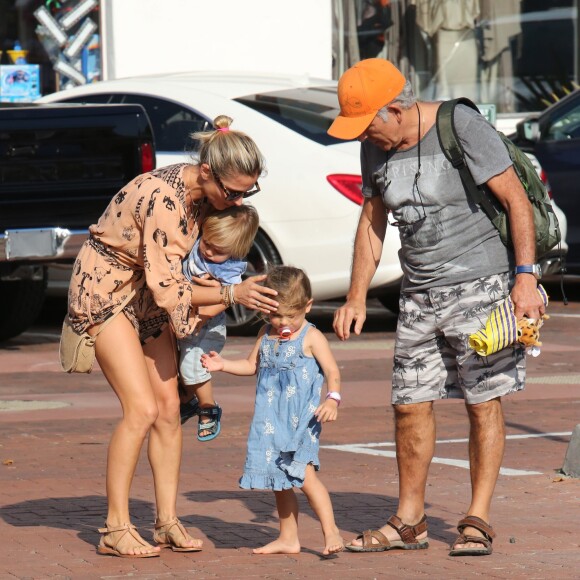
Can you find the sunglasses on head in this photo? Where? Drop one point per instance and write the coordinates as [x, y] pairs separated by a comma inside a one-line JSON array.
[[232, 194]]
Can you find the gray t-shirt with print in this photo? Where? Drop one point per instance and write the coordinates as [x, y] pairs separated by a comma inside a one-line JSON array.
[[445, 237]]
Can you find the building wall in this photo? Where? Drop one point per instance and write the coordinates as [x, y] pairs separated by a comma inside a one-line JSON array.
[[153, 36]]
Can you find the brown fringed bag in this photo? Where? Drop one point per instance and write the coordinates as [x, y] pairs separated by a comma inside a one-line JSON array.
[[77, 350]]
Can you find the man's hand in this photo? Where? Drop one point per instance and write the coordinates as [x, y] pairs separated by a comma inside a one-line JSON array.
[[526, 298], [352, 311]]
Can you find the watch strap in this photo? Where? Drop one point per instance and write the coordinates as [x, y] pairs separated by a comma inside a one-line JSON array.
[[335, 396], [525, 269]]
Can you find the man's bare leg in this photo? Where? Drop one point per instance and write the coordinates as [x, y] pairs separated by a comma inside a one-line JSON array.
[[486, 449], [415, 441]]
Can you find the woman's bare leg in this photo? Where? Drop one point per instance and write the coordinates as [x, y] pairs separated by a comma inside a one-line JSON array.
[[287, 542], [319, 500], [129, 378], [165, 438]]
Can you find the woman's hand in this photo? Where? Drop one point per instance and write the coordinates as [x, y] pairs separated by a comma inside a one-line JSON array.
[[205, 280], [253, 295], [212, 361]]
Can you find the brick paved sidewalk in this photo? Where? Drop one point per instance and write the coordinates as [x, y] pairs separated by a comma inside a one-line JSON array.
[[52, 495]]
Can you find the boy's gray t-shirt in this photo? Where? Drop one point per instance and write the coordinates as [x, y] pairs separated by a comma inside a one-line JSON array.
[[445, 237]]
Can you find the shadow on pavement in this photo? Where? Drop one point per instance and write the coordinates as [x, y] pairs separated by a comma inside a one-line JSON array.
[[85, 514], [354, 512]]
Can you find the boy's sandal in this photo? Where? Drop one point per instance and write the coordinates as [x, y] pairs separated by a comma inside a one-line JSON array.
[[188, 410], [376, 541], [111, 550], [485, 541], [213, 425], [166, 534]]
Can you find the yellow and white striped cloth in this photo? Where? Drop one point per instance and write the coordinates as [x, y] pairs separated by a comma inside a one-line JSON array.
[[500, 328]]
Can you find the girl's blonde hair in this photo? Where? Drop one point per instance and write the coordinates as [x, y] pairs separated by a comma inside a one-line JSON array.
[[292, 285], [229, 153], [232, 230]]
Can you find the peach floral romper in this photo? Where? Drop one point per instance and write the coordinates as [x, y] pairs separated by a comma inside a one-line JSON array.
[[139, 244]]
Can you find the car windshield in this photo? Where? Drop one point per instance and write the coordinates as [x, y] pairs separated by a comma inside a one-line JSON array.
[[306, 110]]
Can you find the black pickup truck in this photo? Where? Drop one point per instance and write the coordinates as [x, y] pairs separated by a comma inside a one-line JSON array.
[[59, 167]]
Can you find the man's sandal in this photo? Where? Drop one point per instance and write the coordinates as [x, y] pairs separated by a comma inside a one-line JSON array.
[[111, 549], [376, 541], [485, 541], [166, 534], [213, 425]]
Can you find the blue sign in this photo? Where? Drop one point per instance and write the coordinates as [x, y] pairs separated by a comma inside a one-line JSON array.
[[19, 83]]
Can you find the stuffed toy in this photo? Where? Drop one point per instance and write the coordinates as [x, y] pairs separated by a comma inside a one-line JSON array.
[[502, 329], [529, 331]]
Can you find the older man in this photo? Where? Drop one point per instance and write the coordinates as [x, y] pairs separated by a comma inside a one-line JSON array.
[[456, 271]]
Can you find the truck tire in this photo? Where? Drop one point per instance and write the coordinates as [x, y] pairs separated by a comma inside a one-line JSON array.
[[241, 321], [22, 302]]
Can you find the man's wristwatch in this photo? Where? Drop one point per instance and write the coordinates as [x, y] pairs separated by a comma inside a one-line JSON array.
[[533, 269]]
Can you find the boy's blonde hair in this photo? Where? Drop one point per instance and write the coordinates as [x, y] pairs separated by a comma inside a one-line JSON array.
[[227, 152], [292, 285], [232, 230]]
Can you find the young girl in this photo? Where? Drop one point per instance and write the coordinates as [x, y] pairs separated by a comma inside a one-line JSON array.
[[292, 359], [226, 238]]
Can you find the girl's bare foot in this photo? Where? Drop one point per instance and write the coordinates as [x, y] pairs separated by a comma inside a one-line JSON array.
[[334, 543], [279, 547]]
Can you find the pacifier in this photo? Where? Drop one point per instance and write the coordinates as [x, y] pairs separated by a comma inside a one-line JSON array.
[[285, 332]]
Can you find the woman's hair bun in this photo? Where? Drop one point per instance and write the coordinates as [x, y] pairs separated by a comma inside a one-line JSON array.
[[222, 122]]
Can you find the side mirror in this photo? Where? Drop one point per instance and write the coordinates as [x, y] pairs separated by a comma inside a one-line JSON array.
[[528, 130]]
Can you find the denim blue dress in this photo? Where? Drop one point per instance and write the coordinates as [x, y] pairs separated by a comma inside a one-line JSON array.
[[284, 435]]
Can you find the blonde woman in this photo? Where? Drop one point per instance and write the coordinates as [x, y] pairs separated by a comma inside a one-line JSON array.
[[138, 245]]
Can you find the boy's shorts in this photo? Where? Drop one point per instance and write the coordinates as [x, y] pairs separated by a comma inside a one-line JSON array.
[[211, 336], [433, 359]]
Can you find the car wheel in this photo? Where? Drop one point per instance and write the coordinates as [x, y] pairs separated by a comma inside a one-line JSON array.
[[22, 300], [390, 300], [263, 254]]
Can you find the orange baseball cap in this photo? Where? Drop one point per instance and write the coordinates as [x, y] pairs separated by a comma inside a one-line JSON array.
[[363, 89]]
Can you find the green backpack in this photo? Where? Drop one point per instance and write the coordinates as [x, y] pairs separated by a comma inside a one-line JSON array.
[[545, 220]]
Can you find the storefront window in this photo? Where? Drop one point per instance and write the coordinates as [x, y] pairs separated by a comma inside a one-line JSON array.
[[46, 46], [520, 55]]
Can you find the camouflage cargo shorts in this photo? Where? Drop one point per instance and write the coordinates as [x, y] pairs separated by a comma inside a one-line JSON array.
[[432, 356]]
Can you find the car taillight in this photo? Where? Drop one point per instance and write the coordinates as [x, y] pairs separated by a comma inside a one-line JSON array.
[[147, 157], [545, 181], [349, 185]]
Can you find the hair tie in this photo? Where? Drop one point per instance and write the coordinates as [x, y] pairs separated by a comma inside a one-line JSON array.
[[224, 129]]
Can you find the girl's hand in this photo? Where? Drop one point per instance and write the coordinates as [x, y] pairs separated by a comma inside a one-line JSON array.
[[327, 411], [255, 296], [212, 361]]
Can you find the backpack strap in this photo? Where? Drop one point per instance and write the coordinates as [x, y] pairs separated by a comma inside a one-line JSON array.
[[453, 151]]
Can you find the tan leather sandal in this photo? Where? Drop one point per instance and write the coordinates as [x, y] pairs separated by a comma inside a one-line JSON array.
[[111, 550], [376, 541], [165, 536], [484, 549]]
